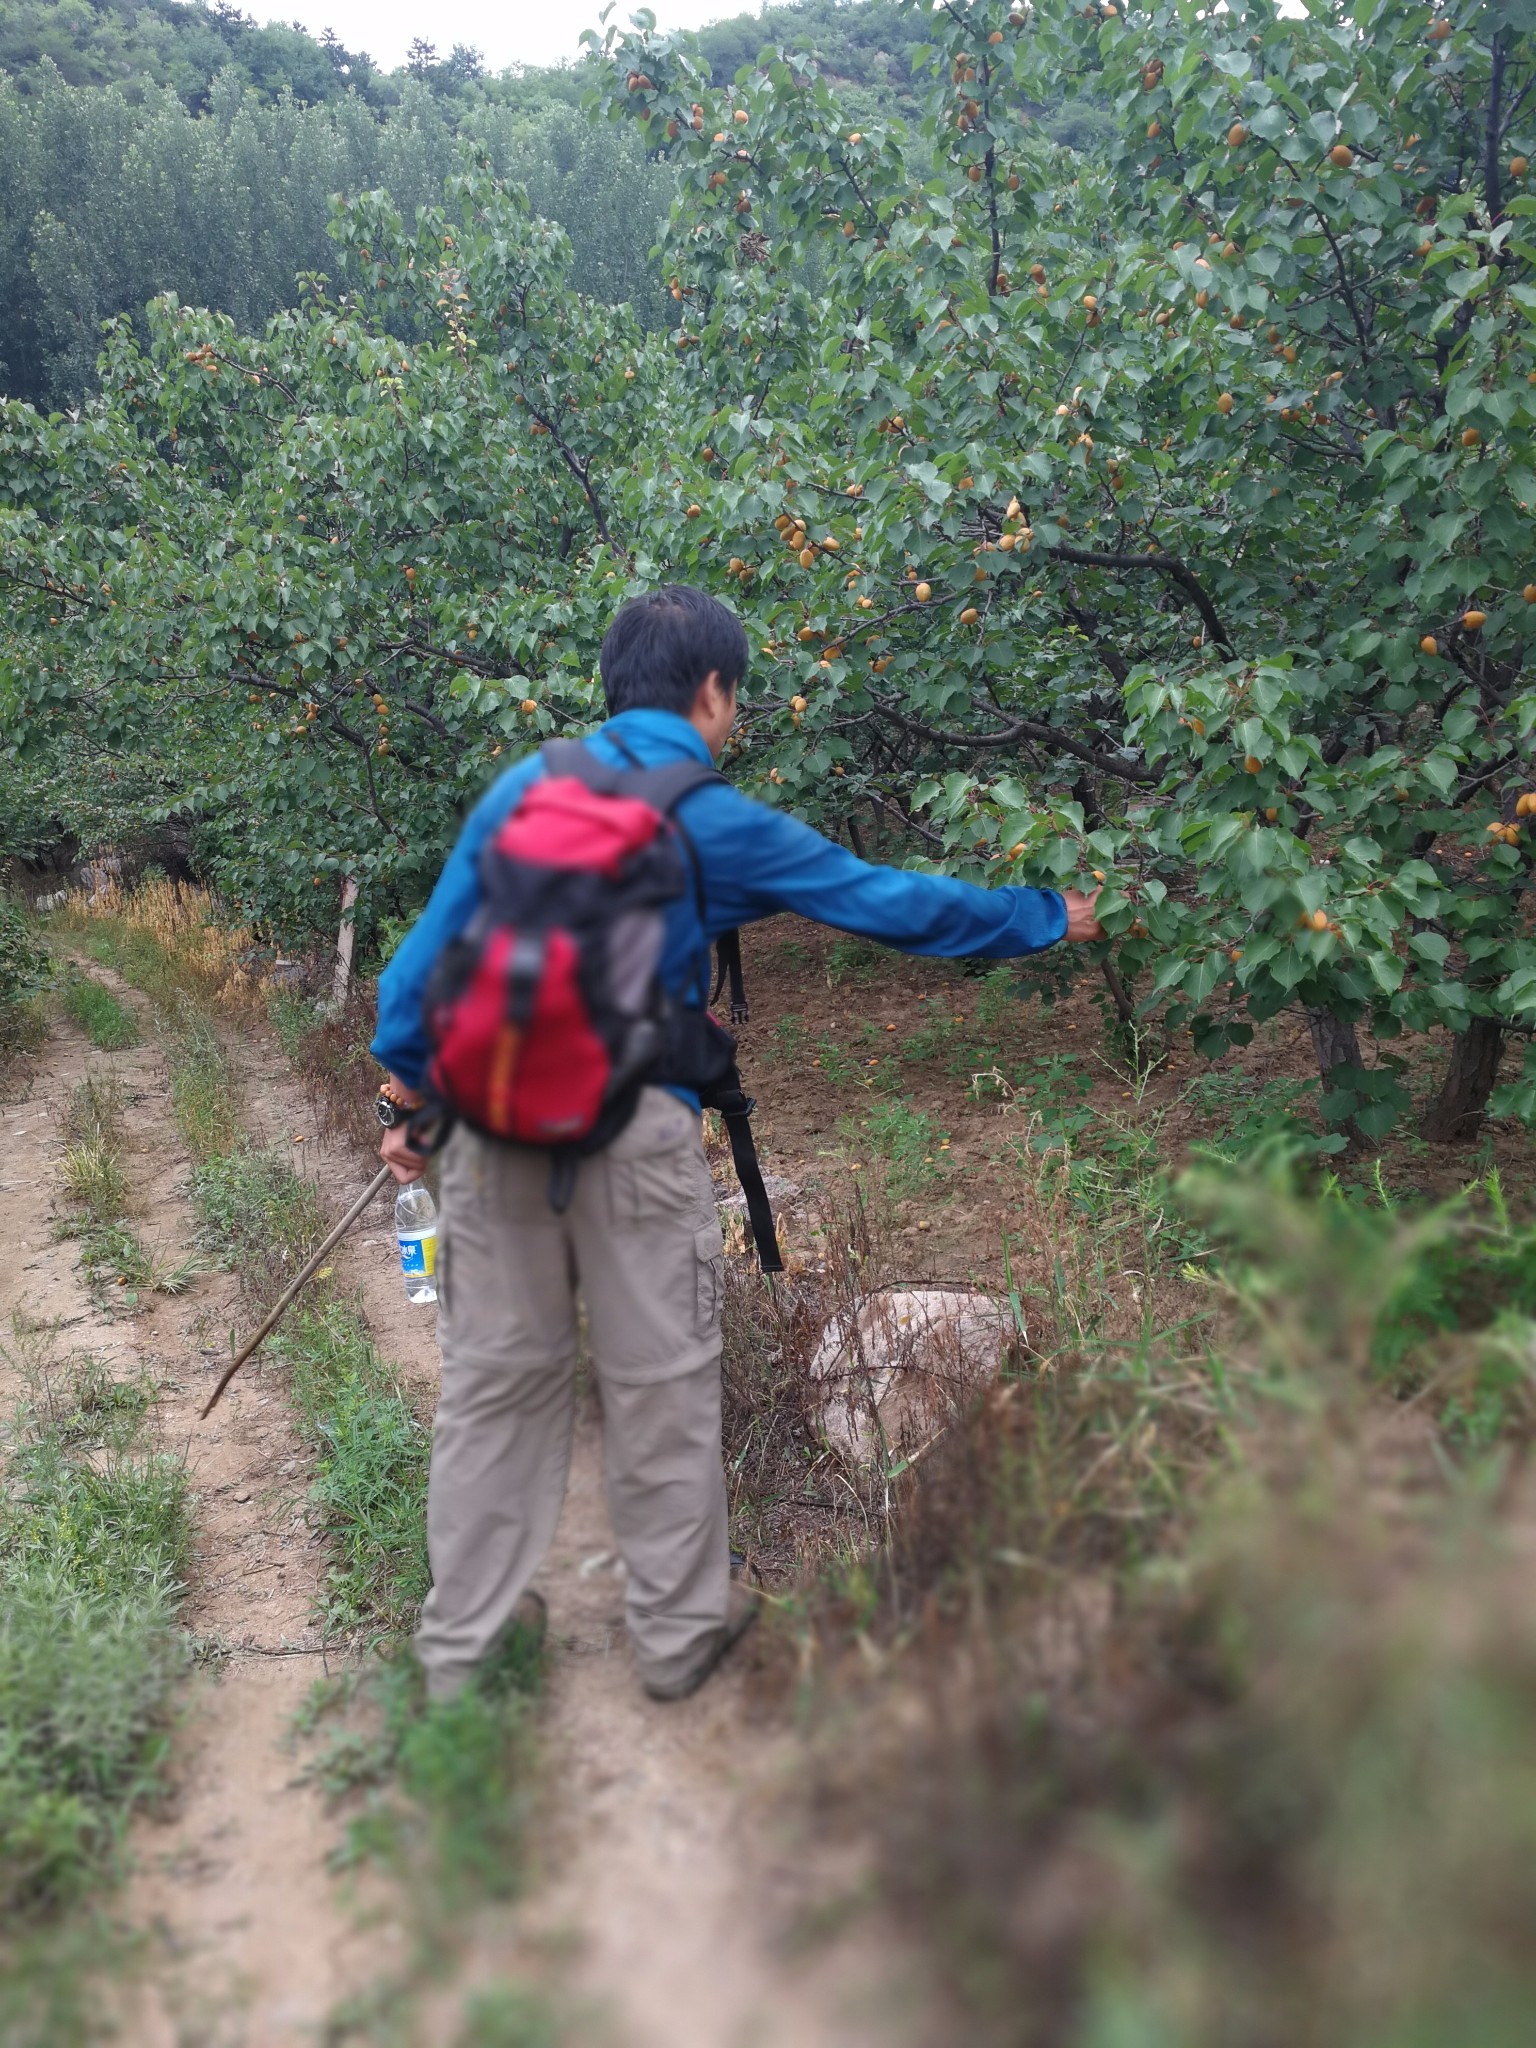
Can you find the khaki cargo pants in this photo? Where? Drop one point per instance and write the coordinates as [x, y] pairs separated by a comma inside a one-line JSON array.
[[641, 1244]]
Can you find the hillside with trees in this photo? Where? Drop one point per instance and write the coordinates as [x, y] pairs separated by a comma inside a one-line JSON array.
[[1165, 517], [170, 145]]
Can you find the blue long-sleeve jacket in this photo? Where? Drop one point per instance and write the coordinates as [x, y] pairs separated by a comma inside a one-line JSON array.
[[755, 861]]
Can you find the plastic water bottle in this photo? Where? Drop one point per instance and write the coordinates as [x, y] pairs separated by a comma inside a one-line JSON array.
[[416, 1228]]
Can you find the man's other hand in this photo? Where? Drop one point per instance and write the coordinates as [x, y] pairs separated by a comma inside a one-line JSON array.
[[397, 1155], [1081, 922]]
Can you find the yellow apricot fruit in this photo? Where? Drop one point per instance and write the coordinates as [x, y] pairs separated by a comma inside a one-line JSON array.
[[969, 616], [1224, 403], [923, 592], [1237, 135], [1474, 620], [1341, 156], [1429, 644]]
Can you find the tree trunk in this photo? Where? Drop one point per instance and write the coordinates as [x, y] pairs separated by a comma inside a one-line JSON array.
[[1457, 1112], [1138, 1041], [1335, 1043]]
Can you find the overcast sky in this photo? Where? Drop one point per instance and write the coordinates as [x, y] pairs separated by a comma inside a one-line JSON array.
[[504, 31]]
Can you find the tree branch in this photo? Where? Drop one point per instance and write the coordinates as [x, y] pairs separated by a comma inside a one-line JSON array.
[[1021, 729], [1165, 565]]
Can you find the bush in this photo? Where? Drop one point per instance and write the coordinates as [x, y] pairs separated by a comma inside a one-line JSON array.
[[24, 962]]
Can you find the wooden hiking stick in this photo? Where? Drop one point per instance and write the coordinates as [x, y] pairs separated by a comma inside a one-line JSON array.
[[286, 1299]]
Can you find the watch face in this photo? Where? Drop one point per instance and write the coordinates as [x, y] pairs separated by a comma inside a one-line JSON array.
[[386, 1111]]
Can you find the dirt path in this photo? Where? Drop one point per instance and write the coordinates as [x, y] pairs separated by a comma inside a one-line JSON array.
[[250, 1938], [667, 1886]]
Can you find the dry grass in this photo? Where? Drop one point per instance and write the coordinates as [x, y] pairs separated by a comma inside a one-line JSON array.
[[328, 1049], [1189, 1700], [169, 939]]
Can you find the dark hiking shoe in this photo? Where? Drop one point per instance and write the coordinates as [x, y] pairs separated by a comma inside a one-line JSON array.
[[745, 1608]]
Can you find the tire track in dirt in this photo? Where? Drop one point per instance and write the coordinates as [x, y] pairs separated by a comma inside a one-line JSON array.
[[249, 1938]]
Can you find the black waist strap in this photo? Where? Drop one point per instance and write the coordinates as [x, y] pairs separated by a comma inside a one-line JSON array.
[[728, 962], [735, 1108]]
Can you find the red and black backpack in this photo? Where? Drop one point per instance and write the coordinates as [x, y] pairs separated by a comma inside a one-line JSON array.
[[547, 1016]]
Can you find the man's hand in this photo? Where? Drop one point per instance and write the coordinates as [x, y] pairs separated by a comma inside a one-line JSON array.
[[397, 1155], [1081, 922], [395, 1151]]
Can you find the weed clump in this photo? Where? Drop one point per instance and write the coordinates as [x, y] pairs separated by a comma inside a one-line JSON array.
[[372, 1453], [108, 1023], [94, 1537]]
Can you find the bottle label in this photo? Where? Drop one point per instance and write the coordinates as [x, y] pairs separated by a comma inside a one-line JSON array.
[[419, 1254]]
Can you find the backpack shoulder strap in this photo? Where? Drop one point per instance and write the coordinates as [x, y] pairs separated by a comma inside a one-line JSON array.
[[663, 788], [573, 758], [667, 786]]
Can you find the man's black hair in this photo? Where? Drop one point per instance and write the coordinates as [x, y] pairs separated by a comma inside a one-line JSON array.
[[662, 646]]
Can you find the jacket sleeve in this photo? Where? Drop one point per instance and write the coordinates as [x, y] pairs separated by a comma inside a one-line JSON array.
[[758, 861], [400, 1042]]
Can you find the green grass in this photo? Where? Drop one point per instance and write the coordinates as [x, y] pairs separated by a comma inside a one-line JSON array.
[[109, 1024], [94, 1180], [262, 1219], [257, 1217], [91, 1171], [205, 1087], [441, 1792], [121, 1268], [908, 1142], [137, 955], [372, 1453], [94, 1537], [117, 1265], [503, 2016]]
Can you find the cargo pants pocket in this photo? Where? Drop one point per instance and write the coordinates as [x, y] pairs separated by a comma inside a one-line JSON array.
[[709, 1251]]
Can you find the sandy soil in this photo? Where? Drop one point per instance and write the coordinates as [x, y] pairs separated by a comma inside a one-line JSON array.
[[671, 1895]]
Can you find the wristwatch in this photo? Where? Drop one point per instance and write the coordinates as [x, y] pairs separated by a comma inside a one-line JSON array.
[[391, 1109]]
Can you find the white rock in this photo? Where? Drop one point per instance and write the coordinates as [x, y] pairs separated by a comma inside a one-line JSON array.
[[904, 1364]]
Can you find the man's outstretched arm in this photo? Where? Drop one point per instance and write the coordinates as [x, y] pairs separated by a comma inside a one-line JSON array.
[[758, 861]]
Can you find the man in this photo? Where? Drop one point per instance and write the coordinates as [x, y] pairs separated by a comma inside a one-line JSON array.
[[640, 1240]]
